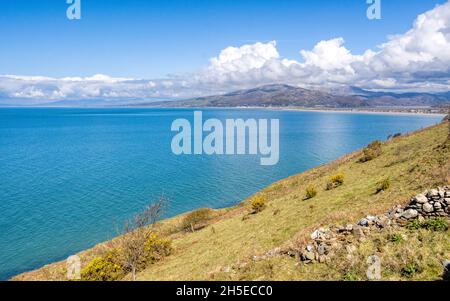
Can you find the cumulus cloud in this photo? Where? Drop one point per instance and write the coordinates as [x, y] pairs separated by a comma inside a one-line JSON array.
[[417, 60]]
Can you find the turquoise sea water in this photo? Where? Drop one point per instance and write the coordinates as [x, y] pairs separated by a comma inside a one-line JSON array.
[[68, 177]]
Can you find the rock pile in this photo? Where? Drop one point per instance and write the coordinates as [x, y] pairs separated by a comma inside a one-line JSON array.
[[432, 203], [325, 241]]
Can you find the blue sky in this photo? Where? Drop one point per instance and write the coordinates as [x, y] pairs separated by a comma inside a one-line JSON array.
[[128, 50], [150, 39]]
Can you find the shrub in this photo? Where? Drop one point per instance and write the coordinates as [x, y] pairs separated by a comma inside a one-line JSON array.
[[310, 192], [335, 181], [196, 219], [384, 185], [157, 247], [258, 204], [372, 151], [435, 224], [104, 268]]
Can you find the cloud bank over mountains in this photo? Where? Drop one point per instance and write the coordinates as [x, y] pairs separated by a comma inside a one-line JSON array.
[[418, 60]]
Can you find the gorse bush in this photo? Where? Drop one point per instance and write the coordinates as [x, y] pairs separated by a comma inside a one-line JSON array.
[[196, 219], [384, 185], [310, 192], [372, 151], [258, 204], [335, 181], [104, 268], [157, 247]]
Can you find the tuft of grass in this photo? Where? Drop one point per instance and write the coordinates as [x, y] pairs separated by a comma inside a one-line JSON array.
[[396, 237], [431, 224], [411, 269], [413, 224], [349, 276], [384, 185], [435, 224]]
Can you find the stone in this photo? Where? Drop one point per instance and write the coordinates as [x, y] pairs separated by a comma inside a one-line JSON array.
[[315, 235], [433, 193], [308, 256], [428, 208], [410, 213], [421, 199], [322, 258], [364, 222], [358, 232], [421, 219], [322, 249], [309, 248], [349, 227], [437, 206], [447, 201]]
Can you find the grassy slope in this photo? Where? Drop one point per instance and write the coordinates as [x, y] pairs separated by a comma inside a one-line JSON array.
[[413, 163]]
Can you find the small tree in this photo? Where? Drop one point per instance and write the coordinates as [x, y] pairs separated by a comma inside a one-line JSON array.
[[372, 151], [196, 219], [136, 233]]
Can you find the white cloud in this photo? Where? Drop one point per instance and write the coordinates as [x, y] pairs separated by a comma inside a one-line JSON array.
[[418, 60]]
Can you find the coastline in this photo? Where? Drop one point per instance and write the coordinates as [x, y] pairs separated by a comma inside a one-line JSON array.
[[379, 111]]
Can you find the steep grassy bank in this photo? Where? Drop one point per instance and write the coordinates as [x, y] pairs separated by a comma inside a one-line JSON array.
[[233, 237]]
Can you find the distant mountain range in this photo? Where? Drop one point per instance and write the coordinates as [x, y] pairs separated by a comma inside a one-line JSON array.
[[290, 96]]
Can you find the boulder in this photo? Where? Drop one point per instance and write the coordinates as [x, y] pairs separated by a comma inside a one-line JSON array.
[[421, 199], [363, 222], [433, 193], [410, 213], [428, 208]]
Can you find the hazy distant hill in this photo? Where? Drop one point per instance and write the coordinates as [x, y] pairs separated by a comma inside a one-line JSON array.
[[285, 95]]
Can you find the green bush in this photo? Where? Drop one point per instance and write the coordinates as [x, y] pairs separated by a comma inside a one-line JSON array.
[[435, 224], [335, 181], [310, 192], [384, 185], [258, 204], [372, 151], [197, 219], [104, 268]]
